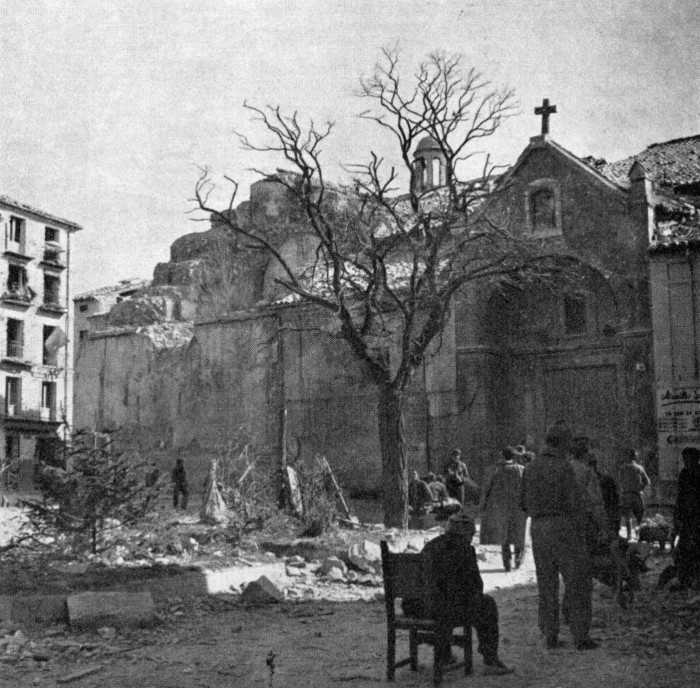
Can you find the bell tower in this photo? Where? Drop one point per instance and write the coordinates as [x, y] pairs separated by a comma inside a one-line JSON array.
[[428, 165]]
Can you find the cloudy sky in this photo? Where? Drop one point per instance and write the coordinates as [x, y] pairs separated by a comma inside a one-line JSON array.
[[109, 107]]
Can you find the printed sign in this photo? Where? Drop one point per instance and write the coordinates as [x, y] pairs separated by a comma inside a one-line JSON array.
[[678, 425]]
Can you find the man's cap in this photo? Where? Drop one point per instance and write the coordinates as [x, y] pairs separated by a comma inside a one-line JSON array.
[[460, 520], [456, 452]]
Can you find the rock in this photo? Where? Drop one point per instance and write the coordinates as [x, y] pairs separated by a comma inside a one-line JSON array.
[[91, 610], [107, 632], [331, 563], [16, 643], [292, 571], [296, 561], [262, 591], [335, 574], [366, 556]]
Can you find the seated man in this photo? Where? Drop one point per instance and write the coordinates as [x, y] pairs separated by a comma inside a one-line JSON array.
[[420, 497], [456, 592]]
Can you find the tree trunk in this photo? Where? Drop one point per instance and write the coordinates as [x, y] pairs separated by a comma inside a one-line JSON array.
[[394, 467]]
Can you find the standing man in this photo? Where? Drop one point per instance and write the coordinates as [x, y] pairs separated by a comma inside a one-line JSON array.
[[632, 479], [456, 593], [457, 477], [686, 520], [551, 497], [595, 521], [180, 486], [420, 499], [502, 520]]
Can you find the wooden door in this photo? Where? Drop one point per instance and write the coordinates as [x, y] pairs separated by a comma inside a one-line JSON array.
[[586, 398]]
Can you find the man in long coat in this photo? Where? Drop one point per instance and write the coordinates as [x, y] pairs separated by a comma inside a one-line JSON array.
[[502, 520]]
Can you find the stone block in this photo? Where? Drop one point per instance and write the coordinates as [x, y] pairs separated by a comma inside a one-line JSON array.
[[331, 563], [262, 591], [365, 556], [33, 610], [92, 610]]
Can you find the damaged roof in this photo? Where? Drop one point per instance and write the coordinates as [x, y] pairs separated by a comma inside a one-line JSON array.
[[123, 285], [673, 165]]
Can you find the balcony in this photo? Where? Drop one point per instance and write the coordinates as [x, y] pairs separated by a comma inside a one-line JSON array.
[[16, 250], [52, 306], [52, 258], [12, 410], [47, 414], [18, 296]]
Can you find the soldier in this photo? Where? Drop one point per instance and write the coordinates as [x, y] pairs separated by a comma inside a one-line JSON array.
[[551, 497]]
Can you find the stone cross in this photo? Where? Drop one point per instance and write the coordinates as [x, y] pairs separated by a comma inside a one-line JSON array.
[[545, 110]]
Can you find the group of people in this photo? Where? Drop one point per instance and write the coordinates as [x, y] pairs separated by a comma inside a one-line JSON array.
[[575, 511]]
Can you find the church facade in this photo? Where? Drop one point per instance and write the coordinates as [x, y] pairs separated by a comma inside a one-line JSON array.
[[507, 365]]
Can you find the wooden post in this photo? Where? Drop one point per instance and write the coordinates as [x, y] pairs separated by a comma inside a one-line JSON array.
[[336, 487]]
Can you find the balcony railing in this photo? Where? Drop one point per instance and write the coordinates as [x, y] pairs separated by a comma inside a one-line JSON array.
[[52, 256], [15, 349], [47, 413], [21, 295], [12, 409]]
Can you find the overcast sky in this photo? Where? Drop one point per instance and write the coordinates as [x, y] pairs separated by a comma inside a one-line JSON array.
[[108, 108]]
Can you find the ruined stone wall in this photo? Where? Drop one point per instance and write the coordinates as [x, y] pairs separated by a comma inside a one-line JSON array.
[[124, 381]]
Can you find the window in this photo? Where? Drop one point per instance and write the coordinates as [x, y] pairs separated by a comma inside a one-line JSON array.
[[574, 315], [543, 210], [51, 234], [17, 280], [15, 338], [13, 395], [49, 356], [10, 477], [83, 308], [16, 229], [543, 207], [83, 334], [52, 288], [48, 396]]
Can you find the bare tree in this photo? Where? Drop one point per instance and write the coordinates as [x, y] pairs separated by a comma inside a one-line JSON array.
[[387, 265]]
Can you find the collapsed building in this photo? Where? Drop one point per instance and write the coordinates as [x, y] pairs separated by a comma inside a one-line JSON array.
[[212, 346]]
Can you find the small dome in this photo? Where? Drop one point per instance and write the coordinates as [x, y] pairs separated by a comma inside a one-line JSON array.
[[427, 143]]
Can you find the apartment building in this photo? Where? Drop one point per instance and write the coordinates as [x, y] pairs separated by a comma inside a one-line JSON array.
[[35, 350]]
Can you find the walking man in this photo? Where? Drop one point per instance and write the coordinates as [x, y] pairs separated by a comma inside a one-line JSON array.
[[551, 497], [632, 479], [502, 520]]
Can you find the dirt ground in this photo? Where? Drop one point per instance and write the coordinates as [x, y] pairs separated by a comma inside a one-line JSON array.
[[218, 642]]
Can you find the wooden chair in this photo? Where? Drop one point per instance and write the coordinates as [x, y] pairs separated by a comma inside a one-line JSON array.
[[405, 578]]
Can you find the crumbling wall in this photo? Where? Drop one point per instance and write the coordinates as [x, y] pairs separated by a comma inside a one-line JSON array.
[[129, 379]]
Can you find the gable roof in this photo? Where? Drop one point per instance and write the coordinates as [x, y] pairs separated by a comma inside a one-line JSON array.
[[24, 208], [544, 141]]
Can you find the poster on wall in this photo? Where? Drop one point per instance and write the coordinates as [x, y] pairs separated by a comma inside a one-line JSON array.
[[678, 425]]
